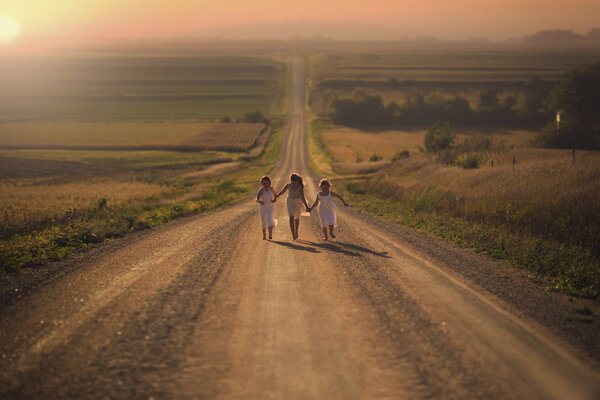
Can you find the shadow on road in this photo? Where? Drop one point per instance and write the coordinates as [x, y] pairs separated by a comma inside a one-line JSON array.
[[296, 246], [345, 248], [329, 246], [361, 249]]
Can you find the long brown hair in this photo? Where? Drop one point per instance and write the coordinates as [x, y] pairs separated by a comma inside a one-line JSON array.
[[296, 177]]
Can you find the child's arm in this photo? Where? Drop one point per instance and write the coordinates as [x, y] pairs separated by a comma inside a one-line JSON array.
[[340, 197], [304, 199], [258, 200], [315, 203], [287, 185]]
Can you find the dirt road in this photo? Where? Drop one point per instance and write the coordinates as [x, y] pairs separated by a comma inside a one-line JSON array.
[[203, 308]]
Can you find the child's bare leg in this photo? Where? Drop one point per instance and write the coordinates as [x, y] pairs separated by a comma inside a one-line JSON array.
[[270, 232], [331, 231], [297, 226], [264, 234], [293, 227], [325, 234]]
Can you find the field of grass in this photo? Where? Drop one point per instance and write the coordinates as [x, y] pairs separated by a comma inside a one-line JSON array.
[[55, 201], [183, 136], [25, 207], [542, 214], [94, 145], [352, 150], [118, 158], [109, 87]]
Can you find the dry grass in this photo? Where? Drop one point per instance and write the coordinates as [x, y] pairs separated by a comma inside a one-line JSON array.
[[26, 206], [543, 193], [350, 145], [135, 158], [542, 214], [351, 149], [129, 135]]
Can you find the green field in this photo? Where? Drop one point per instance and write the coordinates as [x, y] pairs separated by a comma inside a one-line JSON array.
[[94, 145], [139, 87]]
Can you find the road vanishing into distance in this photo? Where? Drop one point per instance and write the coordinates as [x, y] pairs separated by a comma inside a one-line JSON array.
[[203, 308]]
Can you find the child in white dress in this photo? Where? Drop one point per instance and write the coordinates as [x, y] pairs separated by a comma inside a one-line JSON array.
[[265, 198], [327, 207], [294, 202]]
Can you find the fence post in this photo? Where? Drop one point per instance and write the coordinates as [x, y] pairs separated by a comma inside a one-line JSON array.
[[514, 160], [573, 157]]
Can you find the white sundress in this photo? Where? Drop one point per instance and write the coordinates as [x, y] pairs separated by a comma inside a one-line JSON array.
[[326, 210], [266, 210], [294, 202]]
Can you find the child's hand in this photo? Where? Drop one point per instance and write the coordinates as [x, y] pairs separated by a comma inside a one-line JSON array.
[[308, 209], [260, 202], [274, 200], [346, 204]]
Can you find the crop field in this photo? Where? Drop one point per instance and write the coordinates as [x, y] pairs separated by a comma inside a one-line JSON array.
[[52, 171], [185, 136], [115, 158], [97, 144], [464, 71], [139, 87], [355, 150], [56, 200]]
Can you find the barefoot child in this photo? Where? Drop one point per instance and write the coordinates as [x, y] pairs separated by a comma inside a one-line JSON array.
[[294, 202], [327, 207], [265, 197]]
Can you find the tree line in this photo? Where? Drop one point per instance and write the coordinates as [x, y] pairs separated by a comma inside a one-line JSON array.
[[576, 97], [366, 109]]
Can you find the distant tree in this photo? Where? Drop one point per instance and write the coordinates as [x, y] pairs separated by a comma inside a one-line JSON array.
[[536, 94], [488, 99], [254, 117], [366, 110], [458, 108], [557, 36], [577, 98], [225, 119], [510, 102], [439, 137]]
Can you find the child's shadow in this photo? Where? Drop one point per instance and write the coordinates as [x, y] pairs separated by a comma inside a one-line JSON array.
[[296, 246], [361, 249], [333, 248], [346, 248]]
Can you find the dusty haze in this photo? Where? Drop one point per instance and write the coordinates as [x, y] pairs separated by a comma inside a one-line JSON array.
[[72, 20]]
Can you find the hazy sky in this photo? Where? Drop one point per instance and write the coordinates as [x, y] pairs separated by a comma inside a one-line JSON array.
[[392, 19]]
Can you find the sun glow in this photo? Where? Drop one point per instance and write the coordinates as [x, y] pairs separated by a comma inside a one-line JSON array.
[[10, 29]]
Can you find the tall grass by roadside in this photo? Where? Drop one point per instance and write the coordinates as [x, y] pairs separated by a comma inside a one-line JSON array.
[[542, 214], [25, 208], [95, 225]]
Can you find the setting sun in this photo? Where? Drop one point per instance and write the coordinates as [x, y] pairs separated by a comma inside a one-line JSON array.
[[10, 28]]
